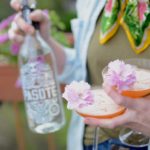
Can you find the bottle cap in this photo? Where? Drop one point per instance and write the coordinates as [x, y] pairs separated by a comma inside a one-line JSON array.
[[28, 7]]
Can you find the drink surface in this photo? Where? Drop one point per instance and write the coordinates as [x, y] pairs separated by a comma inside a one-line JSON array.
[[142, 79], [142, 85], [103, 106]]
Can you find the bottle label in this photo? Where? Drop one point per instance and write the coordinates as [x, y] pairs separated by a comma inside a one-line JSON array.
[[40, 92]]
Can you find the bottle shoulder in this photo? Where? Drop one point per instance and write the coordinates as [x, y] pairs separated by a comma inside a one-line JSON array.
[[36, 44]]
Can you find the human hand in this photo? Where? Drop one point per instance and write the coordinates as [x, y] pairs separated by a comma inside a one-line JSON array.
[[135, 117], [19, 27]]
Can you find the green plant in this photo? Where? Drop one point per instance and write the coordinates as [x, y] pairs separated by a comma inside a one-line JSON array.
[[7, 49], [58, 28], [10, 50]]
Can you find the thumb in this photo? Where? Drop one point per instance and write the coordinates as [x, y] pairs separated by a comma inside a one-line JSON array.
[[40, 16]]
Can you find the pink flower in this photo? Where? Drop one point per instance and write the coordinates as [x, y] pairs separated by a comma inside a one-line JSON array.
[[4, 38], [78, 95], [46, 11], [120, 75], [15, 47], [18, 83], [5, 23]]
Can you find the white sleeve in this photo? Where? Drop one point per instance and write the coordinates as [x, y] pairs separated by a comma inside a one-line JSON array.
[[70, 68]]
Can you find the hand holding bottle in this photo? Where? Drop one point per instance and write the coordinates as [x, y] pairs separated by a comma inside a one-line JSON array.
[[20, 27], [38, 72]]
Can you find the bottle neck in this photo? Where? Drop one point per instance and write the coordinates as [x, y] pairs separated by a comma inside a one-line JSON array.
[[30, 3], [36, 45], [26, 10]]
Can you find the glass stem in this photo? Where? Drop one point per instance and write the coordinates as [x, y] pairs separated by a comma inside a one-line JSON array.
[[96, 137]]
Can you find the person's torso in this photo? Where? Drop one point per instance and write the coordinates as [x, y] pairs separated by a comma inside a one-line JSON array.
[[118, 47]]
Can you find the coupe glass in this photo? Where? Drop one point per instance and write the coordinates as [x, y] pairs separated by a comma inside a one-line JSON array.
[[103, 107], [128, 136]]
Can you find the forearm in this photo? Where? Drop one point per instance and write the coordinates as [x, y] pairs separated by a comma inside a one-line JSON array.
[[59, 54]]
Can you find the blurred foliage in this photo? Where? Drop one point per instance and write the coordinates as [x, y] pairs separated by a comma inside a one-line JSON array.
[[57, 32], [5, 9], [5, 54], [66, 17], [51, 4], [33, 141], [58, 28], [60, 6]]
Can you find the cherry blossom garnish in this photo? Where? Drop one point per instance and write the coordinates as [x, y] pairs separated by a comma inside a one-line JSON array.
[[120, 75], [78, 95]]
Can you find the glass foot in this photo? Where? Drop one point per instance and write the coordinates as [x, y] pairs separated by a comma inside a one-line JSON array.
[[133, 138]]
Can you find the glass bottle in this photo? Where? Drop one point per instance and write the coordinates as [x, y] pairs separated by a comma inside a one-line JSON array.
[[40, 86]]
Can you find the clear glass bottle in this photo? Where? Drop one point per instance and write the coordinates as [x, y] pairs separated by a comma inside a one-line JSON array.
[[40, 86]]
